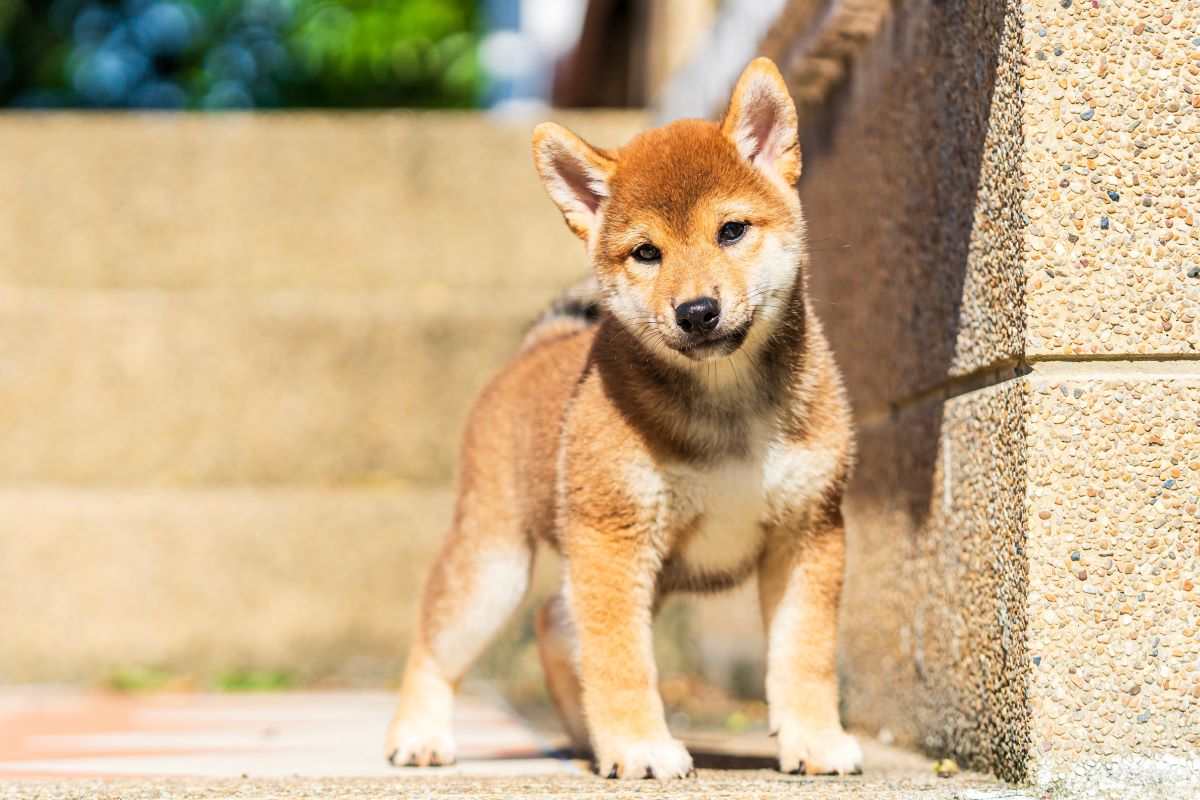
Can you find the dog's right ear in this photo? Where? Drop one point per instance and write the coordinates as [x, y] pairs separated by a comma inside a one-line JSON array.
[[574, 173]]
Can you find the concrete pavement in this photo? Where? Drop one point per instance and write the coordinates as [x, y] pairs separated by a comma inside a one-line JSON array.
[[56, 744]]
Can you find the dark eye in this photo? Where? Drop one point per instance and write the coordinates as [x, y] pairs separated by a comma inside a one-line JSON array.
[[647, 254], [731, 231]]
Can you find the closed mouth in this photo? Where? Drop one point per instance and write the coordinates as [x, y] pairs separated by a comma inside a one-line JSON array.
[[722, 344]]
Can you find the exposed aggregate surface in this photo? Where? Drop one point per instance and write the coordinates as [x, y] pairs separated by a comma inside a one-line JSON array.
[[1114, 550], [990, 185], [1111, 96]]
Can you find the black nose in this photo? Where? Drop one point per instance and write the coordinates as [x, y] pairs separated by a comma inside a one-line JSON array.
[[698, 316]]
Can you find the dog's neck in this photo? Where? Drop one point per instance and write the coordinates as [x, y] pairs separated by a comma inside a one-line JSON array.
[[702, 411]]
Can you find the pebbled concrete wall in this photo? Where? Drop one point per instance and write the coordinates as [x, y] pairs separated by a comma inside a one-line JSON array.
[[912, 185], [1113, 459], [1002, 204]]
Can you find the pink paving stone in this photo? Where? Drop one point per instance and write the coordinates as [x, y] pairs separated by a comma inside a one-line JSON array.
[[303, 734]]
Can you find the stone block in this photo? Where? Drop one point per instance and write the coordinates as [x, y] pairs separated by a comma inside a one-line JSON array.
[[933, 621], [1112, 122], [1113, 472], [912, 189]]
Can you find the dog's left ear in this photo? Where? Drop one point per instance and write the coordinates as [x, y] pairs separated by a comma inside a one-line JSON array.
[[762, 123]]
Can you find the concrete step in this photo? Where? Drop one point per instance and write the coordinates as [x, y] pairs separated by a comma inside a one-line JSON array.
[[320, 582], [312, 583], [124, 388], [299, 200], [316, 581]]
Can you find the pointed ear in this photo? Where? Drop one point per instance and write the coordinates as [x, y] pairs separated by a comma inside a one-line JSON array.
[[574, 173], [761, 121]]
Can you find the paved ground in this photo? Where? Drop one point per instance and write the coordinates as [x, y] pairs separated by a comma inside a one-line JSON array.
[[307, 744]]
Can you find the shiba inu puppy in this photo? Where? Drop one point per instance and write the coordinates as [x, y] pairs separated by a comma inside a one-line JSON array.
[[694, 433]]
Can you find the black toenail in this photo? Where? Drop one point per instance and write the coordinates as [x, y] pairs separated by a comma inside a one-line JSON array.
[[392, 757], [612, 773], [649, 772]]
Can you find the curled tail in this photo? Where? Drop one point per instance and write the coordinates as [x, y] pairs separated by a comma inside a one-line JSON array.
[[575, 310]]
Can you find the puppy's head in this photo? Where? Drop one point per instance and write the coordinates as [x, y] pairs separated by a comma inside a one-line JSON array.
[[694, 229]]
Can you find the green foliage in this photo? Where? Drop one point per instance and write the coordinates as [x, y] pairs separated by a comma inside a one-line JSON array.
[[239, 53]]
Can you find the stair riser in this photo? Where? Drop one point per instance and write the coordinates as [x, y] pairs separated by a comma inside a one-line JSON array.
[[128, 388]]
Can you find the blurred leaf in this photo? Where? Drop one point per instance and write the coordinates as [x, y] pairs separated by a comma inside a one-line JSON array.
[[139, 679], [254, 680], [8, 14], [945, 768], [737, 722]]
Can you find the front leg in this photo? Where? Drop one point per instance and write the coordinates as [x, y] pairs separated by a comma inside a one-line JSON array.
[[610, 586], [800, 584]]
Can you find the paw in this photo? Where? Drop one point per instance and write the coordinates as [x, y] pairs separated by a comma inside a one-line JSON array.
[[414, 745], [662, 758], [805, 751]]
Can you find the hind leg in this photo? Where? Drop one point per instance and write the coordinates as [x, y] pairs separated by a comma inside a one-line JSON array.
[[476, 583], [556, 646]]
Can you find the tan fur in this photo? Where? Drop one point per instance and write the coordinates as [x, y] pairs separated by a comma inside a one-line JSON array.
[[654, 458]]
